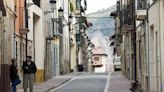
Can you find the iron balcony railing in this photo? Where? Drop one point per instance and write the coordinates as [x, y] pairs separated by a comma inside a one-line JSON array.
[[126, 15]]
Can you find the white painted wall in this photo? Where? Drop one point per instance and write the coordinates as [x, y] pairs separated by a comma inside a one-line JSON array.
[[154, 49], [37, 28]]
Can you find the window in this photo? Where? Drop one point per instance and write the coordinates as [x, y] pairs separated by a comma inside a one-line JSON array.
[[78, 4], [142, 4], [96, 58]]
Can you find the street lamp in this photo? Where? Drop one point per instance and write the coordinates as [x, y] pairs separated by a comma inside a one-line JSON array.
[[61, 12], [59, 21], [53, 4], [70, 19]]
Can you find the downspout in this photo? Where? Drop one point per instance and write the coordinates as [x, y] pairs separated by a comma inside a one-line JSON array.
[[134, 40], [14, 41], [160, 46], [26, 23], [69, 30], [148, 67]]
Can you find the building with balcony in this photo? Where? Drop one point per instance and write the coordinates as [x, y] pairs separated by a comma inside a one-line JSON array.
[[73, 45], [142, 45], [155, 45], [126, 36], [140, 25], [126, 27], [36, 36], [141, 9]]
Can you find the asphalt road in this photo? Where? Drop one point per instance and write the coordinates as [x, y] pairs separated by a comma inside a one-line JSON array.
[[85, 83]]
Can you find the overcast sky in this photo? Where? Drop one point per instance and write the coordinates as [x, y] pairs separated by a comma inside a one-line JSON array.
[[94, 5]]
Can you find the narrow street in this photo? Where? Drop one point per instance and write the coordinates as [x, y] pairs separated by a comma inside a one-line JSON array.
[[81, 45], [85, 82], [89, 82]]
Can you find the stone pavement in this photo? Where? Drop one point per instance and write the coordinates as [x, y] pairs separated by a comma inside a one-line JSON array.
[[52, 83], [118, 83]]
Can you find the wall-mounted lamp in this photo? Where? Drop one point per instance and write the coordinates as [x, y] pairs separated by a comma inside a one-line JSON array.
[[70, 19], [61, 12], [53, 4]]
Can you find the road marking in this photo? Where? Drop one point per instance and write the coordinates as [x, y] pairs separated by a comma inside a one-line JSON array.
[[108, 83], [53, 90]]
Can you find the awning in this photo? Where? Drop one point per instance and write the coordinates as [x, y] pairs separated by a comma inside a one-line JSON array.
[[2, 8]]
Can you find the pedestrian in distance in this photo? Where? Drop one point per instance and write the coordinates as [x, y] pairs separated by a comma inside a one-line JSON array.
[[29, 70], [14, 75]]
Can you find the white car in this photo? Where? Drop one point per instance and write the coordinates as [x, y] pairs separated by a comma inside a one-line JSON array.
[[117, 63]]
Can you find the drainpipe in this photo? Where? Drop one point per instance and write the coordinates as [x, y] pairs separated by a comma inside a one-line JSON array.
[[14, 41], [134, 85], [134, 40], [26, 23]]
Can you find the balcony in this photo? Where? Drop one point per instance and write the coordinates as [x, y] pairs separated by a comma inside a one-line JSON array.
[[126, 15], [126, 28], [141, 14], [141, 9]]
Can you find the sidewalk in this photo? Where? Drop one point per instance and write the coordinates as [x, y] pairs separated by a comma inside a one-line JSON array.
[[52, 83], [118, 83]]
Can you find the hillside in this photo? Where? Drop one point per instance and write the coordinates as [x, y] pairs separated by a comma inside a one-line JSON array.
[[102, 22]]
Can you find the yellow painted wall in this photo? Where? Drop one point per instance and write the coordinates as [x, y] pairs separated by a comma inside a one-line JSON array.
[[39, 76]]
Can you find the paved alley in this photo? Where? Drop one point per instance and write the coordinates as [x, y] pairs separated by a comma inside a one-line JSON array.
[[52, 83], [85, 83]]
